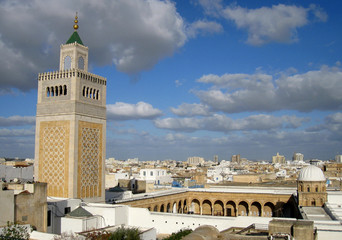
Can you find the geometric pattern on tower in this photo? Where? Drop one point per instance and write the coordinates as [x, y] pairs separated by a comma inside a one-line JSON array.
[[53, 152], [90, 157]]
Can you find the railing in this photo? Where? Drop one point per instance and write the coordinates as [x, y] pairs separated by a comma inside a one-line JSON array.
[[72, 73]]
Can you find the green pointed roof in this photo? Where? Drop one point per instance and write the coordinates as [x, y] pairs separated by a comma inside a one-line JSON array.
[[75, 38], [80, 212]]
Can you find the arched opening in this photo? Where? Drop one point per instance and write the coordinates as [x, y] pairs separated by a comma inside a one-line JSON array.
[[268, 209], [91, 93], [97, 95], [65, 90], [81, 63], [218, 208], [84, 91], [243, 209], [206, 208], [67, 63], [168, 208], [231, 209], [316, 188], [185, 207], [149, 209], [155, 209], [308, 189], [180, 206], [313, 202], [174, 207], [87, 92], [52, 91], [56, 90], [255, 209], [48, 92], [195, 207], [162, 208], [60, 90]]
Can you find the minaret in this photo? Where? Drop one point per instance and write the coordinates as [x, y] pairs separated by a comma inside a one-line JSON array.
[[70, 140]]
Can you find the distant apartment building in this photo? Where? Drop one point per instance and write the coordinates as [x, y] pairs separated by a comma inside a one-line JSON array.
[[216, 160], [195, 160], [298, 157], [158, 176], [133, 160], [338, 158], [278, 159]]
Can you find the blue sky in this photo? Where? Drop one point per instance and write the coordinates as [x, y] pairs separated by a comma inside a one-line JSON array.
[[185, 78]]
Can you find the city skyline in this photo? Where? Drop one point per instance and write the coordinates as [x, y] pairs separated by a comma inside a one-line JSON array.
[[185, 78]]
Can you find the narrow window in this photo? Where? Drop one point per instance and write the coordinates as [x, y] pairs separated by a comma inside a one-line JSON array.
[[87, 93], [48, 92], [60, 90], [56, 90], [81, 63], [84, 88], [67, 63], [52, 92], [65, 90], [97, 95], [91, 93], [49, 218]]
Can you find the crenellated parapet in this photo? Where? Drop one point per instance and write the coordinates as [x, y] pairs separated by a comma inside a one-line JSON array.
[[65, 74]]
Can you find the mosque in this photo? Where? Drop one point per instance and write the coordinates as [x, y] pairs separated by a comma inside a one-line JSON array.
[[70, 148]]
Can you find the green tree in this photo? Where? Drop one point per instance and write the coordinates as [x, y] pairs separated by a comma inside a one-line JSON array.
[[178, 235], [15, 231], [119, 234]]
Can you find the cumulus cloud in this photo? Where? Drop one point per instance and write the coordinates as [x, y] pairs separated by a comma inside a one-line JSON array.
[[125, 111], [134, 35], [278, 23], [222, 123], [5, 132], [313, 90], [17, 121], [188, 110], [204, 27]]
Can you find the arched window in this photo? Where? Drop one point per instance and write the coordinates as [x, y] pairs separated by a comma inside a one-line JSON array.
[[98, 95], [91, 93], [67, 63], [87, 93], [83, 93], [81, 63], [48, 92], [56, 90], [94, 93], [308, 189], [60, 90], [52, 91], [65, 90], [316, 188]]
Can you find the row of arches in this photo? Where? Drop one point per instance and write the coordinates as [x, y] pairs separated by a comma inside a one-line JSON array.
[[56, 91], [91, 93], [217, 208]]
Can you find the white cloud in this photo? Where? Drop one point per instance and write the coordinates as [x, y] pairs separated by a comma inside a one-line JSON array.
[[5, 132], [189, 110], [271, 24], [17, 121], [125, 111], [134, 35], [313, 90], [204, 27], [222, 123]]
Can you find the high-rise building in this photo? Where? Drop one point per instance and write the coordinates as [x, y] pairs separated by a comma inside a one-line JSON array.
[[195, 160], [236, 158], [298, 157], [278, 159], [338, 158], [216, 159], [70, 142]]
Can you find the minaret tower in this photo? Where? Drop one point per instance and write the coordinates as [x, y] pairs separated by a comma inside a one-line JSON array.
[[70, 140]]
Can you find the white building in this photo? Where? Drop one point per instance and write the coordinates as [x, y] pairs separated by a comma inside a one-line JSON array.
[[338, 158], [158, 176], [195, 160]]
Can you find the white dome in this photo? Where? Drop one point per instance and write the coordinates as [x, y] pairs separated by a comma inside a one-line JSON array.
[[311, 173]]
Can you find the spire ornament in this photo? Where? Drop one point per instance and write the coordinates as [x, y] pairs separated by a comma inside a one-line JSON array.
[[76, 21]]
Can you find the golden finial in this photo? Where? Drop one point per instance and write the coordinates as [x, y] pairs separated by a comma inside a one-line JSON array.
[[76, 21]]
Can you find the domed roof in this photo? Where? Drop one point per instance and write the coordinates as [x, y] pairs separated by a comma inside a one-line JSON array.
[[311, 173]]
